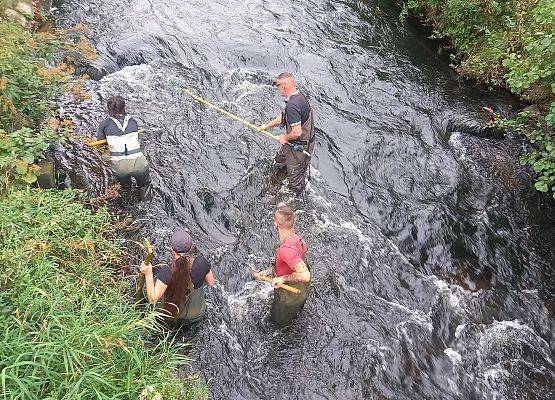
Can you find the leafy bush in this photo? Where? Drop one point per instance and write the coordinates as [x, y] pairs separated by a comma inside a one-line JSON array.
[[19, 152], [66, 329], [27, 88]]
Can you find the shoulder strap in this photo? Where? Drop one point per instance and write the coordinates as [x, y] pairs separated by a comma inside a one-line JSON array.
[[125, 122]]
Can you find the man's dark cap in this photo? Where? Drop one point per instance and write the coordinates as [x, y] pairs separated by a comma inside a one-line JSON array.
[[181, 241]]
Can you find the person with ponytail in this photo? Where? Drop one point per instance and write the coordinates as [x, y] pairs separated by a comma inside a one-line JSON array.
[[181, 282]]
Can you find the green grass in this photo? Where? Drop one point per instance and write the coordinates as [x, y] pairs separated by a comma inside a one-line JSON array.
[[66, 331]]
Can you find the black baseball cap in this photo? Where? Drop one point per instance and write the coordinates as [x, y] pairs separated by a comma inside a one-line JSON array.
[[181, 242]]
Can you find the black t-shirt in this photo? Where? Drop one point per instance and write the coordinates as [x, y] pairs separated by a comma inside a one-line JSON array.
[[297, 110], [200, 268], [109, 127]]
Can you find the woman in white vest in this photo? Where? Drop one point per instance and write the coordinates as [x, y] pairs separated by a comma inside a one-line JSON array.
[[126, 157]]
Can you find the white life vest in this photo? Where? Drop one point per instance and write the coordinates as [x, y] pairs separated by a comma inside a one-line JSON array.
[[125, 146]]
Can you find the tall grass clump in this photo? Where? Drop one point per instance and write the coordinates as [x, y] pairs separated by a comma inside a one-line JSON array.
[[66, 331], [509, 43]]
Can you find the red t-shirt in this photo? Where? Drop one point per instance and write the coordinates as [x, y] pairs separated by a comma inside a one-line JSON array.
[[290, 252]]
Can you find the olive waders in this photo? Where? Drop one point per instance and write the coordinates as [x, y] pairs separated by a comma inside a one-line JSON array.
[[127, 159], [286, 305], [194, 306]]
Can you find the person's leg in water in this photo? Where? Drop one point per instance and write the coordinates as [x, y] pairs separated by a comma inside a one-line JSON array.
[[141, 173], [279, 170], [125, 182], [296, 163]]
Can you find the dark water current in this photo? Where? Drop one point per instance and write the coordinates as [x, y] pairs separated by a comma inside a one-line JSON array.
[[431, 252]]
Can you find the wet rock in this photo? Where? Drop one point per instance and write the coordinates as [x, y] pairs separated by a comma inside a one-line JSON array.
[[475, 129], [533, 109], [47, 176], [45, 5]]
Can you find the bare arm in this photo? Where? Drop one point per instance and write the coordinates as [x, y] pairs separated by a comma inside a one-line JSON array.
[[154, 290], [295, 132], [275, 122], [300, 274], [209, 279]]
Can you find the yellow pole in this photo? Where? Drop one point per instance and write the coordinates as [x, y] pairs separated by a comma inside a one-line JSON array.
[[280, 285], [236, 117], [100, 142]]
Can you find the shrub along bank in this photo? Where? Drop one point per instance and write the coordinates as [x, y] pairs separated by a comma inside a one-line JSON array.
[[66, 330], [512, 43]]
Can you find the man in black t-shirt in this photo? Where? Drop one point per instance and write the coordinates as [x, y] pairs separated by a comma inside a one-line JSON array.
[[299, 132]]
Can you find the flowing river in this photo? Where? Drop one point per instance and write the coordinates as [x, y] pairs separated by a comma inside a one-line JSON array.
[[432, 255]]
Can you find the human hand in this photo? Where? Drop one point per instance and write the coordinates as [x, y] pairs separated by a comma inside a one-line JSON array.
[[146, 269], [282, 139], [263, 127], [277, 280], [260, 274]]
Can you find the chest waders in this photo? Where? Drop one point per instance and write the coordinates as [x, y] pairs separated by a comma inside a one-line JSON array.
[[286, 305], [127, 159], [194, 306], [293, 158]]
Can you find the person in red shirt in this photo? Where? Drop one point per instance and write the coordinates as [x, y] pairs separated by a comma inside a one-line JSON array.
[[290, 267]]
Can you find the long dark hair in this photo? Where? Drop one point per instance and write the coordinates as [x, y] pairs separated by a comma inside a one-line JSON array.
[[180, 286], [115, 106]]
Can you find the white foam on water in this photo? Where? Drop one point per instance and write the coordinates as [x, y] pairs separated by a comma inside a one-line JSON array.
[[453, 293], [131, 75], [232, 342], [219, 251], [417, 313], [247, 88], [492, 376], [251, 290], [459, 329], [453, 355], [502, 326], [455, 141]]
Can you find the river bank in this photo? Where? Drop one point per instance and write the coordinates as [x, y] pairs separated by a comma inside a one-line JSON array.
[[511, 45], [430, 270], [68, 330]]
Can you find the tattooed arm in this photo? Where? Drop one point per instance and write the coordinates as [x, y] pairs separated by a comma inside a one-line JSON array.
[[300, 274]]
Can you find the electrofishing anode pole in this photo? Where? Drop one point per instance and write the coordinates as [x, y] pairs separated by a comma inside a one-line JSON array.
[[237, 118]]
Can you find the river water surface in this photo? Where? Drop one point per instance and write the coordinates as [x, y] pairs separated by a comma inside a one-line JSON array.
[[430, 251]]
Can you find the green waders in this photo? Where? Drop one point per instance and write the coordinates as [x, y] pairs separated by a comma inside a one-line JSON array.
[[125, 169], [194, 308], [287, 305]]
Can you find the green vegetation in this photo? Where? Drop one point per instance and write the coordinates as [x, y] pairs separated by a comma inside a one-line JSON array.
[[27, 88], [66, 330], [19, 150], [512, 43], [27, 91]]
